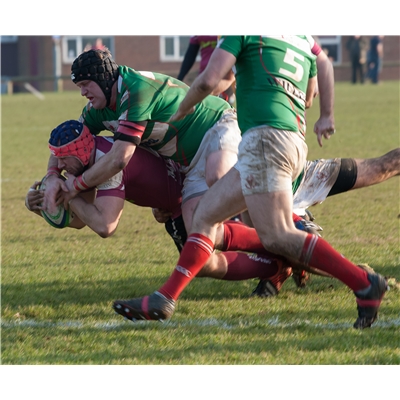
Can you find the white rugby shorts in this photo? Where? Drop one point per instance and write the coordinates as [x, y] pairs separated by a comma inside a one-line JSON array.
[[223, 135], [270, 159], [318, 180]]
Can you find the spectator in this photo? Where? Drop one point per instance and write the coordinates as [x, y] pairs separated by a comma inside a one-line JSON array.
[[206, 46], [375, 58], [357, 47]]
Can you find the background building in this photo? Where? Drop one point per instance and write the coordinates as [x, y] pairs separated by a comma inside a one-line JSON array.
[[44, 61]]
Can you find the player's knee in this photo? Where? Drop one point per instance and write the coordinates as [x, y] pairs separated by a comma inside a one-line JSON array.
[[278, 242], [215, 267], [274, 245], [207, 270]]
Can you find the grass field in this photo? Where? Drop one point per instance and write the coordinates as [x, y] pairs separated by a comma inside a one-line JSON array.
[[58, 285]]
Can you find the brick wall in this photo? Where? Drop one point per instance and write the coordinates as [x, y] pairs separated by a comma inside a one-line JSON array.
[[35, 57]]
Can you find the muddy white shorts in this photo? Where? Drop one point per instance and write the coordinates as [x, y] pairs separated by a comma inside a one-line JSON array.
[[270, 159], [224, 135], [318, 180]]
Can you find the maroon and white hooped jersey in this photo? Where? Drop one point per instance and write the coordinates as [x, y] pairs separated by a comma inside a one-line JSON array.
[[148, 180]]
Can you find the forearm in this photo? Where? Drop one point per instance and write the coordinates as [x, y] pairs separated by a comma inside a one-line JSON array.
[[219, 67], [110, 164], [91, 216], [88, 198], [326, 87]]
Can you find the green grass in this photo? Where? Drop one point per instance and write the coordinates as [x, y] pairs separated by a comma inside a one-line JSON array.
[[58, 285]]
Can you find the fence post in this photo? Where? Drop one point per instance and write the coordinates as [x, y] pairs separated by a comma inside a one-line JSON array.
[[57, 62], [60, 85], [10, 87]]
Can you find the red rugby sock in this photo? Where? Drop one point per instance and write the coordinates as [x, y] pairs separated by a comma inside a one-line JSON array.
[[318, 253], [194, 255], [242, 266]]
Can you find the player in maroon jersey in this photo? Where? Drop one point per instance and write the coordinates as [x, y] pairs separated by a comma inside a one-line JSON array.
[[148, 180]]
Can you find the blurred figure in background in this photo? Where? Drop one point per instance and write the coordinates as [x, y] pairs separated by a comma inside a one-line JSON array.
[[375, 57], [206, 46], [357, 47], [98, 44]]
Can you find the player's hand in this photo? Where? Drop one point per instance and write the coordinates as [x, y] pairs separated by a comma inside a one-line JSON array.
[[161, 216], [324, 127], [34, 198], [179, 115], [54, 188], [71, 191]]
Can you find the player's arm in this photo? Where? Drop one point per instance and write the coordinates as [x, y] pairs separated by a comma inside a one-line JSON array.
[[221, 62], [34, 198], [325, 126], [102, 216], [312, 84], [127, 137], [54, 185], [188, 60], [225, 83]]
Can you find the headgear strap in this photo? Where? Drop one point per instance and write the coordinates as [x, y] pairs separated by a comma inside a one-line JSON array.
[[72, 139], [98, 66]]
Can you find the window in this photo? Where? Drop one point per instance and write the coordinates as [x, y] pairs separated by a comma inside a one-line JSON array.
[[332, 45], [173, 48], [72, 46], [9, 39]]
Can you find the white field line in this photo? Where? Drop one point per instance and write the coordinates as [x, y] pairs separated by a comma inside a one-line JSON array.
[[115, 325]]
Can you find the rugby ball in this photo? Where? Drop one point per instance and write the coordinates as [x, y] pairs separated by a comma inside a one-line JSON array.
[[57, 218]]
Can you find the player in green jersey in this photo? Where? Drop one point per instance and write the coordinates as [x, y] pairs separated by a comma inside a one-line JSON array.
[[276, 81], [136, 106]]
